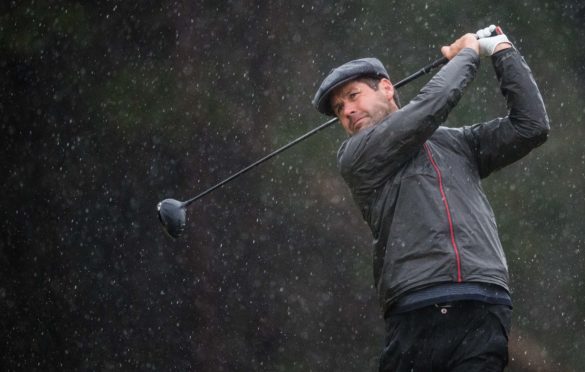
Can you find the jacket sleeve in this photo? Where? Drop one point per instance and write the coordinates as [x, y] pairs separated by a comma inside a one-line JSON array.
[[372, 155], [502, 141]]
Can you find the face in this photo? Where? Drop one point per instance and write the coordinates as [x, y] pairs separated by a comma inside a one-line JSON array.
[[358, 106]]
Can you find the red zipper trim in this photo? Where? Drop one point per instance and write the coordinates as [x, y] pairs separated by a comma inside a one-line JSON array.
[[449, 219]]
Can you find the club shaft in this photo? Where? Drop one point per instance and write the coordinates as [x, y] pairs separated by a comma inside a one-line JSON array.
[[265, 158], [424, 70]]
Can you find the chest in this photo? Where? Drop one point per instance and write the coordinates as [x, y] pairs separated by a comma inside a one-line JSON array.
[[450, 162]]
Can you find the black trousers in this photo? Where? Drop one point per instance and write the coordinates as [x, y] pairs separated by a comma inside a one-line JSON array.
[[462, 336]]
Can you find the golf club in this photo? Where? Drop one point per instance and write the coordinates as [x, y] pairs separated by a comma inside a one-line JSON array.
[[172, 213]]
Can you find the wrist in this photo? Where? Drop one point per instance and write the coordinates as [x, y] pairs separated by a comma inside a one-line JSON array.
[[490, 45], [502, 46]]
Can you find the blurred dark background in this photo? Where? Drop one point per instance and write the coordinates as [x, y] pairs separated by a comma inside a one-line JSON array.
[[108, 107]]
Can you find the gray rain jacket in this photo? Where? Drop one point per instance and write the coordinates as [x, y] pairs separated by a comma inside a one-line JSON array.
[[418, 183]]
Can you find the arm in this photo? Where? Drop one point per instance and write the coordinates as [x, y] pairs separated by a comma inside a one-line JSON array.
[[371, 156], [504, 140]]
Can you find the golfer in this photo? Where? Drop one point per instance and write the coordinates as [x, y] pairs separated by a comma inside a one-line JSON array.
[[439, 266]]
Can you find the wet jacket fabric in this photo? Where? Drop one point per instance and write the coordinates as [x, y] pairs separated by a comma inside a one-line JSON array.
[[417, 183]]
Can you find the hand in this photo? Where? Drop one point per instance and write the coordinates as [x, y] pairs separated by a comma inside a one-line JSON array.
[[492, 40], [465, 41]]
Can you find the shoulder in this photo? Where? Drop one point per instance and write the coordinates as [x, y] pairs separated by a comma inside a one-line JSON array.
[[352, 147], [448, 135], [454, 139], [345, 156]]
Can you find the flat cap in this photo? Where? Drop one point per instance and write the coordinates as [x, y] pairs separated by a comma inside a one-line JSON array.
[[343, 74]]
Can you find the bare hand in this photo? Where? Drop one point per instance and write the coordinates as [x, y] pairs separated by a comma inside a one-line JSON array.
[[465, 41]]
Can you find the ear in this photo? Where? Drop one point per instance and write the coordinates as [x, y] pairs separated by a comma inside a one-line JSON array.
[[387, 88]]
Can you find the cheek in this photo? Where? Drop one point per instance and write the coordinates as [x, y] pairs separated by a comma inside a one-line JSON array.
[[381, 107], [375, 109]]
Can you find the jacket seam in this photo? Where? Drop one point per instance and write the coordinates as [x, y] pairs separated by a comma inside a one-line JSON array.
[[448, 211]]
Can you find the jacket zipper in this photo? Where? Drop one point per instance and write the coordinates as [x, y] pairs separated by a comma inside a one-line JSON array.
[[446, 204]]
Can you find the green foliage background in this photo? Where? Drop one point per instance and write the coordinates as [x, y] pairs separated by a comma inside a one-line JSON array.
[[108, 107]]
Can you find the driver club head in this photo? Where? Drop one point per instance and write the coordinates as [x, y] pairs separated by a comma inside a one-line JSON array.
[[172, 216]]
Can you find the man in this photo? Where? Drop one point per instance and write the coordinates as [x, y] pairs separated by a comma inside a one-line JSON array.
[[439, 266]]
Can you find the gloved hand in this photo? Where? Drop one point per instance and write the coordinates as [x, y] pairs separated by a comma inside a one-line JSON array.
[[489, 38]]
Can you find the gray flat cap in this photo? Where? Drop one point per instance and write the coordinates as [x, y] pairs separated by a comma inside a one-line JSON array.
[[343, 74]]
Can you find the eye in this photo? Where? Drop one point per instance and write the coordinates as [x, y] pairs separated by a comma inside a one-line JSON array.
[[352, 95]]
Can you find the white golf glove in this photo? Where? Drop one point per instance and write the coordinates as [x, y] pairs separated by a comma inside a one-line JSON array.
[[489, 38]]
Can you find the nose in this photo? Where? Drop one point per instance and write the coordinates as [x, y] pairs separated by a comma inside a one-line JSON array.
[[349, 109]]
